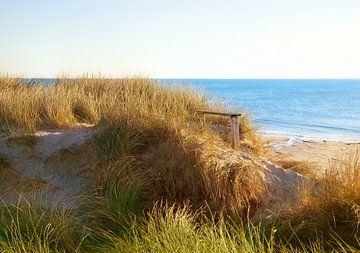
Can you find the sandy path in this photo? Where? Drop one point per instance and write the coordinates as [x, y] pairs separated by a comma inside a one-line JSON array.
[[54, 170], [51, 141]]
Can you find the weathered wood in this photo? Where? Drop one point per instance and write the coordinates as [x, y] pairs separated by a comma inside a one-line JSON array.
[[219, 113], [233, 122], [235, 131]]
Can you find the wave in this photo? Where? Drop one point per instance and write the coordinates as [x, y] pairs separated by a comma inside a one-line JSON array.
[[297, 125], [296, 132]]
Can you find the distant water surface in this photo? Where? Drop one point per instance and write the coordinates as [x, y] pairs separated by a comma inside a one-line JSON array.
[[298, 109]]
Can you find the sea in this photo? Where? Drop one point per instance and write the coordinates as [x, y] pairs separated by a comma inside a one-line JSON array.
[[297, 109]]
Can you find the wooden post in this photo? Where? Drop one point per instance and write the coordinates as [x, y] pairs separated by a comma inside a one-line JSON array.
[[235, 131], [233, 122], [203, 120]]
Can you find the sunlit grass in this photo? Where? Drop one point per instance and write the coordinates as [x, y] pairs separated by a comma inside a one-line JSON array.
[[28, 228], [329, 208], [165, 180]]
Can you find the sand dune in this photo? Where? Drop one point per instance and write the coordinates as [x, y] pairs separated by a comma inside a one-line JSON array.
[[54, 170], [58, 169]]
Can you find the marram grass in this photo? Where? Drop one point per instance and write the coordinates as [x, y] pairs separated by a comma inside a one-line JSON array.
[[164, 228], [160, 182], [143, 103]]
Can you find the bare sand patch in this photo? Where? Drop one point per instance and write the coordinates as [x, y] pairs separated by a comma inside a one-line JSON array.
[[56, 169], [320, 153]]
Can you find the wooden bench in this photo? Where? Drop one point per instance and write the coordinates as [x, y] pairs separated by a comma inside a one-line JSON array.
[[233, 122]]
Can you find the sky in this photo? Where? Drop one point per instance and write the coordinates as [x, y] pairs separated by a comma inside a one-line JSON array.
[[181, 38]]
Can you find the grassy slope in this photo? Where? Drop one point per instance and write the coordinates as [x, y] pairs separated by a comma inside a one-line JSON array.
[[162, 185]]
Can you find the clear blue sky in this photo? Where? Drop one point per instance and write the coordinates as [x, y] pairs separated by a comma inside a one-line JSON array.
[[181, 38]]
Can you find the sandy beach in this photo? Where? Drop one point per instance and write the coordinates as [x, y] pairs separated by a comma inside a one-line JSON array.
[[320, 153]]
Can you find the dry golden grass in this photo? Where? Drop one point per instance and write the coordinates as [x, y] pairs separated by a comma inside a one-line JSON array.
[[181, 157], [330, 207], [180, 164], [302, 167], [204, 171], [29, 106], [150, 145]]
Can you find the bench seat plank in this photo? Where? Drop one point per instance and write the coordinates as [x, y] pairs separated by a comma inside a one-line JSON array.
[[219, 113]]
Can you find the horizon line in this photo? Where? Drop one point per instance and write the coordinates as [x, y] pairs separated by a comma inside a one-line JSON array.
[[198, 78]]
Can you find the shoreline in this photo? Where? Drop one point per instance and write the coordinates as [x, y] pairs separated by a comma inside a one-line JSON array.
[[308, 137]]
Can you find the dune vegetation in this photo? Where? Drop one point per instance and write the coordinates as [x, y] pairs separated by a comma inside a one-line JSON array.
[[163, 179]]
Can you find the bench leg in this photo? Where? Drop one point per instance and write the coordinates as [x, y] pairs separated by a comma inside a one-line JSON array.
[[235, 131], [203, 121]]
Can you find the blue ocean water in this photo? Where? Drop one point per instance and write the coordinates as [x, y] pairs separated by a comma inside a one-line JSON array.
[[298, 109]]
